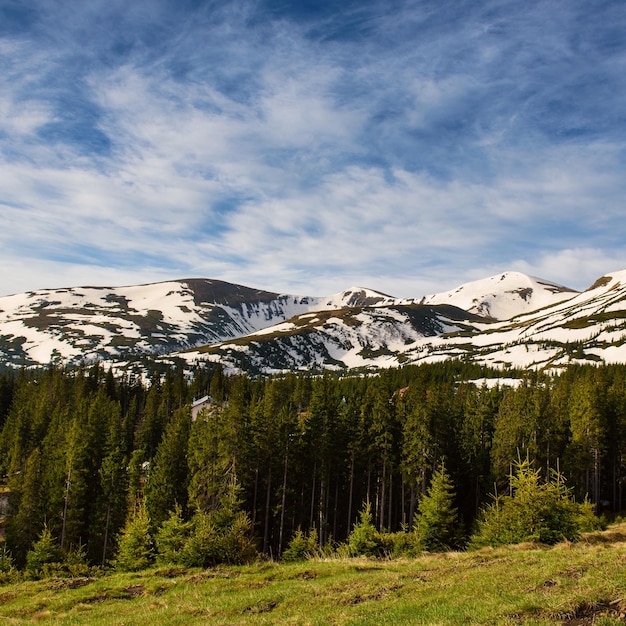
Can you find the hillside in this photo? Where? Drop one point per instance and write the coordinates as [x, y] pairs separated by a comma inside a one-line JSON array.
[[120, 323], [503, 296], [588, 327], [508, 320], [571, 584]]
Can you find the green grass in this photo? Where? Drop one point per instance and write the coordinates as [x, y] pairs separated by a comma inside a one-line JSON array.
[[581, 583]]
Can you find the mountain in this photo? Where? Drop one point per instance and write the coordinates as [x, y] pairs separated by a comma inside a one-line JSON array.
[[508, 320], [358, 337], [116, 323], [503, 296], [588, 327]]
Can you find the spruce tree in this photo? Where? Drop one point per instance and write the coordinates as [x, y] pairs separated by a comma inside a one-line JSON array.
[[169, 473], [543, 512], [171, 538], [44, 553], [436, 522], [365, 540], [135, 547]]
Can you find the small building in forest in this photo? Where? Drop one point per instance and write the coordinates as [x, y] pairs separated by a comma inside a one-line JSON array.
[[198, 405]]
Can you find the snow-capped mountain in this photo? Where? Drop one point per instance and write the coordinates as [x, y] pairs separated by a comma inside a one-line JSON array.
[[503, 296], [508, 320], [112, 323], [359, 337], [575, 327]]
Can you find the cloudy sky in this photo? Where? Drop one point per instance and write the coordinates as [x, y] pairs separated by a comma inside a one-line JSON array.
[[307, 146]]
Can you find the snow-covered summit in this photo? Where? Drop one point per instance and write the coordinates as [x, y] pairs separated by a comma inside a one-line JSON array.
[[354, 297], [504, 295]]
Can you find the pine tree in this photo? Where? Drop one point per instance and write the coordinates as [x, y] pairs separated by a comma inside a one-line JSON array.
[[171, 538], [588, 428], [436, 522], [543, 512], [26, 500], [135, 547], [418, 445], [365, 540], [223, 535], [169, 473], [44, 552]]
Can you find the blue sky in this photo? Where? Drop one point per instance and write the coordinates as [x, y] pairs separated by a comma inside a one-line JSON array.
[[304, 147]]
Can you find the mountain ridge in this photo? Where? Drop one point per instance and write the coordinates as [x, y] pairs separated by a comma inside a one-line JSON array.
[[496, 321]]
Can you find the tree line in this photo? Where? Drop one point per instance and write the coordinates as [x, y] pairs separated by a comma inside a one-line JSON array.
[[83, 451]]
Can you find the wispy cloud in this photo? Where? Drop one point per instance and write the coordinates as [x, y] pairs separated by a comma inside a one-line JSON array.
[[402, 146]]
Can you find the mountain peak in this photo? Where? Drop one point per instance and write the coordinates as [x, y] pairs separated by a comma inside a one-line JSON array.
[[504, 295], [357, 296]]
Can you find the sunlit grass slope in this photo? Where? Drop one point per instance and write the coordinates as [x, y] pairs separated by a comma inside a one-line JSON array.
[[580, 583]]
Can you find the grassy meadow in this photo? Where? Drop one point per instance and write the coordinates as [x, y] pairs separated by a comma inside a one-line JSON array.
[[570, 583]]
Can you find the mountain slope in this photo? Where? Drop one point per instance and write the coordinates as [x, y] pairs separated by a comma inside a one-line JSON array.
[[509, 320], [357, 337], [503, 296], [584, 327], [113, 323]]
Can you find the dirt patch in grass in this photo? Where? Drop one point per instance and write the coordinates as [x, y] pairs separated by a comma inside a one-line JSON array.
[[608, 536], [7, 596], [56, 584], [265, 606], [588, 613], [374, 596], [210, 575], [615, 534], [127, 593], [171, 572]]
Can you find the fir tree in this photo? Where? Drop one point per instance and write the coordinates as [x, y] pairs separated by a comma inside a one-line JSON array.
[[44, 552], [135, 548], [171, 538], [436, 522], [169, 473], [537, 511], [365, 540]]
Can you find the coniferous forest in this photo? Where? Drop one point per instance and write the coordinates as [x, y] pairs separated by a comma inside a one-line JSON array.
[[84, 453]]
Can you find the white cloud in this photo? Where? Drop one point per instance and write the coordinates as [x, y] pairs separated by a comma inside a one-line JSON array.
[[406, 158], [577, 268]]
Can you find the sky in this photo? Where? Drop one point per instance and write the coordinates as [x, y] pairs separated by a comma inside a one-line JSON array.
[[306, 147]]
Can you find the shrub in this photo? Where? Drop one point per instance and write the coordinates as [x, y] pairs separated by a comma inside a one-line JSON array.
[[535, 511], [6, 560], [217, 537], [8, 572], [365, 540], [76, 563], [302, 546], [403, 543], [135, 549], [44, 555]]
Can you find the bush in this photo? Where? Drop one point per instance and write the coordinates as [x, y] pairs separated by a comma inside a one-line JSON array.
[[6, 560], [8, 572], [76, 563], [45, 555], [535, 511], [219, 537], [403, 543], [135, 549], [365, 540], [302, 546]]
